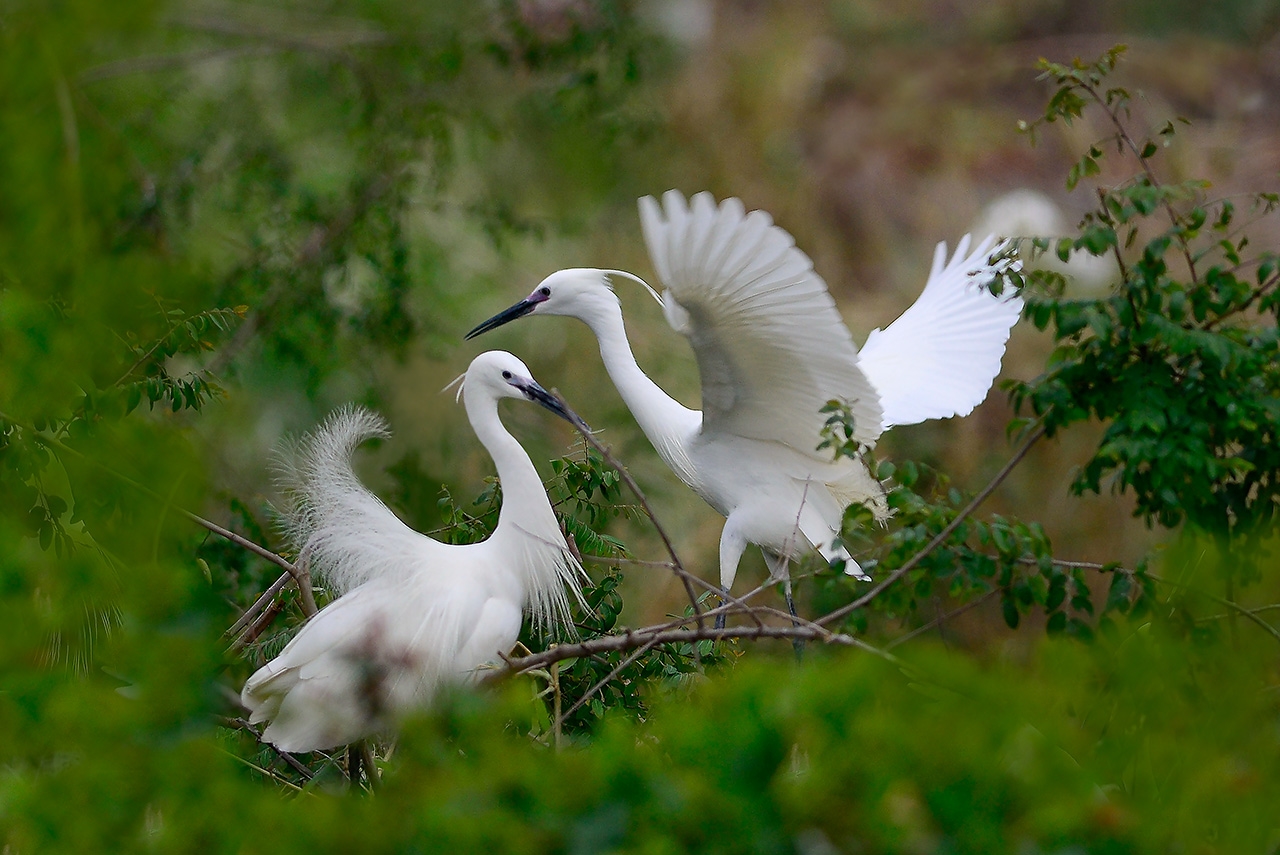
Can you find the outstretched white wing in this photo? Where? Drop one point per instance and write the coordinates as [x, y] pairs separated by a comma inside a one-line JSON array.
[[770, 343], [939, 357]]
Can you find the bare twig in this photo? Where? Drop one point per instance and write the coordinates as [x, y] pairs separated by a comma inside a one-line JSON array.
[[941, 619], [941, 537], [599, 684], [267, 596], [256, 628], [300, 575], [677, 566], [632, 639], [164, 62]]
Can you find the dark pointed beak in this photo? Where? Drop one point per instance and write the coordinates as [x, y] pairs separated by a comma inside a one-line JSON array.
[[538, 395], [519, 310]]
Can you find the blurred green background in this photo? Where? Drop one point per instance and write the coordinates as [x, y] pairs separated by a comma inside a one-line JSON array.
[[362, 182]]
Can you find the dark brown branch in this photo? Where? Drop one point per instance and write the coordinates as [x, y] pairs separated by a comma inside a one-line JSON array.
[[265, 599], [677, 566], [255, 629], [941, 537], [632, 639]]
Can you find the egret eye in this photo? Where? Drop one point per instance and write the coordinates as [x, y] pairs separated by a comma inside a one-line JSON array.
[[544, 291], [506, 375]]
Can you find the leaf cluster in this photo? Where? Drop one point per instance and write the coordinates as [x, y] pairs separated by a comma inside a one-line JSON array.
[[1181, 361]]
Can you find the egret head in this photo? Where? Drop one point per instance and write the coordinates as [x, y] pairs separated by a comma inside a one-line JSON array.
[[498, 374], [579, 292]]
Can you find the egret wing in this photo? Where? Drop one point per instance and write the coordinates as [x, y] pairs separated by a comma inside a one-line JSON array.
[[771, 346], [939, 357]]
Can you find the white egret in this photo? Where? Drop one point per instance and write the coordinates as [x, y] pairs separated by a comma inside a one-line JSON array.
[[414, 613], [771, 351]]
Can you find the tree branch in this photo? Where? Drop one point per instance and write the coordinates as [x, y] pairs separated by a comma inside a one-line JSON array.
[[299, 574], [941, 537], [676, 565], [631, 639]]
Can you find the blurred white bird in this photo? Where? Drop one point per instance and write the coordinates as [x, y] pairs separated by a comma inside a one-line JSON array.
[[772, 350], [414, 613]]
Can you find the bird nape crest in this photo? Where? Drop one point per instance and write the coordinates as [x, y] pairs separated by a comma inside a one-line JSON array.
[[634, 278], [456, 383]]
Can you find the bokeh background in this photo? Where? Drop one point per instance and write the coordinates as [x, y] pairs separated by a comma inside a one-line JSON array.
[[370, 179], [364, 181]]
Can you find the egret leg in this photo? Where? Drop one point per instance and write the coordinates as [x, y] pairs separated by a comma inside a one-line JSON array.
[[732, 545], [779, 568], [724, 601]]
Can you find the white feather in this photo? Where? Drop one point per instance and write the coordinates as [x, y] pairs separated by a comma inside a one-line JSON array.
[[939, 357], [414, 613]]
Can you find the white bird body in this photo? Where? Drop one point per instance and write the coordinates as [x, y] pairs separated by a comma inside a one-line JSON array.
[[772, 350], [414, 614]]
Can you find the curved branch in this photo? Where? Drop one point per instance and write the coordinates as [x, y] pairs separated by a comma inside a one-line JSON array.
[[676, 565], [941, 536]]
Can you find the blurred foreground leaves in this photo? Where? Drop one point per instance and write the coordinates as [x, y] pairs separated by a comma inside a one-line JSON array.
[[1141, 742]]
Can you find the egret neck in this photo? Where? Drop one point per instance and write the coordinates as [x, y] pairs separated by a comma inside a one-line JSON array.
[[669, 424]]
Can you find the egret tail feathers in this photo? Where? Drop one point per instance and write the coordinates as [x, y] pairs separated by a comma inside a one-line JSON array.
[[331, 520]]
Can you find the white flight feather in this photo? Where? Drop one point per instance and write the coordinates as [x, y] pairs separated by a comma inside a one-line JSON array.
[[939, 357]]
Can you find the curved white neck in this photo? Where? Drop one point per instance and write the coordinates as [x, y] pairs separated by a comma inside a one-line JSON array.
[[665, 421], [525, 507]]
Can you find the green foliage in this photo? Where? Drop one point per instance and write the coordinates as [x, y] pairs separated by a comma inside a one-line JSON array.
[[975, 558], [163, 161], [1181, 362], [1140, 743]]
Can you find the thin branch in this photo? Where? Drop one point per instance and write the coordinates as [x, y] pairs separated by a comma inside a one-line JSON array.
[[632, 639], [942, 536], [300, 575], [259, 604], [164, 62], [288, 758], [1259, 610], [677, 565], [1122, 134], [941, 619], [255, 629], [1236, 608], [561, 717]]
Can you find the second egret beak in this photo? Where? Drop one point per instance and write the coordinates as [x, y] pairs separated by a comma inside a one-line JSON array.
[[541, 396]]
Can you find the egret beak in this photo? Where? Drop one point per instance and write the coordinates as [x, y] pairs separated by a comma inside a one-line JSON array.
[[519, 310], [538, 395]]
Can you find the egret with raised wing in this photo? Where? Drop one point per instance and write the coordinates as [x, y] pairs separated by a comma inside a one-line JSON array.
[[772, 350], [414, 613]]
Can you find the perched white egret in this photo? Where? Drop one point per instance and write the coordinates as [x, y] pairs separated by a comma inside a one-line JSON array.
[[414, 613], [772, 350]]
